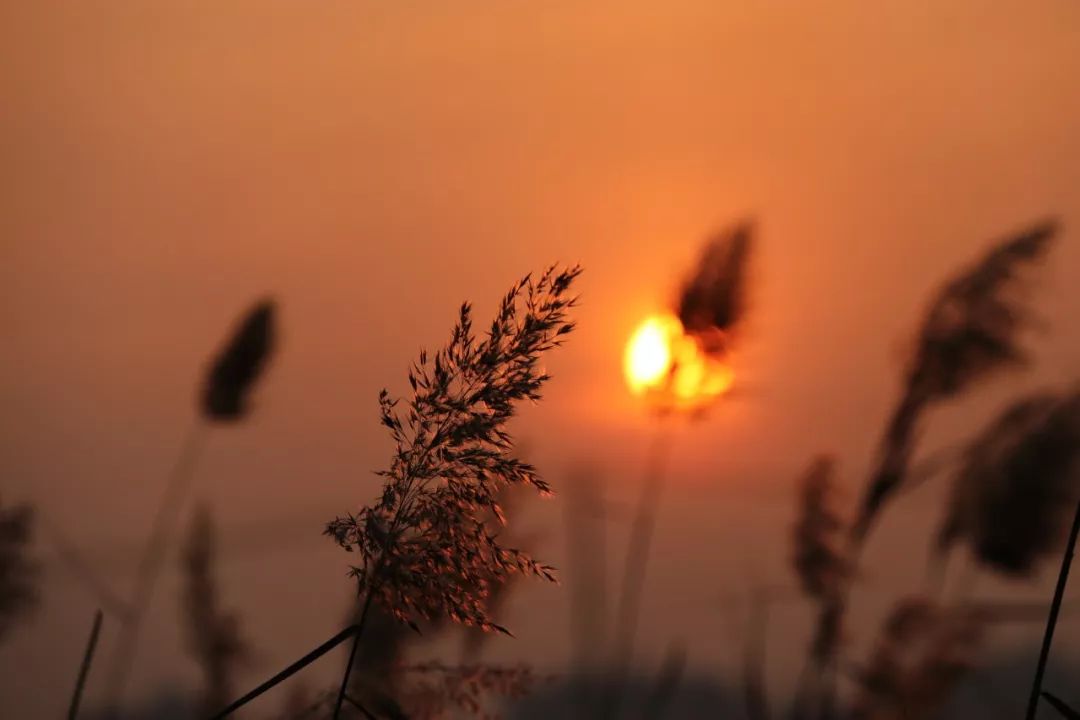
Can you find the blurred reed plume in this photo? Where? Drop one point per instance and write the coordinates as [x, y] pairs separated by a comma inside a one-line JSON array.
[[922, 654], [213, 634], [818, 556], [971, 329], [714, 297], [238, 366], [425, 548], [224, 396], [18, 573], [1013, 498], [439, 692], [711, 307]]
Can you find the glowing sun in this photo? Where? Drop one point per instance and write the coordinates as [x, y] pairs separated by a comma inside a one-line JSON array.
[[671, 367]]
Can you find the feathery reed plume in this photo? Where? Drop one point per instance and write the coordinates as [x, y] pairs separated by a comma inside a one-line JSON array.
[[713, 299], [436, 690], [971, 330], [225, 392], [424, 549], [239, 364], [214, 637], [921, 656], [1013, 497], [18, 573], [499, 592], [818, 555]]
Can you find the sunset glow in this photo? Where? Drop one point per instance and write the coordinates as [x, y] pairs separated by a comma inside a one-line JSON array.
[[670, 367]]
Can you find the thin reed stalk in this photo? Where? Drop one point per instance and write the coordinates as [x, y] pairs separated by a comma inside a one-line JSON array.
[[1051, 623], [289, 671], [754, 694], [352, 653], [84, 669], [150, 563], [636, 565]]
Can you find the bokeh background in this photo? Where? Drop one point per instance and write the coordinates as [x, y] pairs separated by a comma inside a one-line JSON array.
[[373, 164]]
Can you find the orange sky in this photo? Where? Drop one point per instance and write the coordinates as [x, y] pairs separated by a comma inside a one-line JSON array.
[[373, 164]]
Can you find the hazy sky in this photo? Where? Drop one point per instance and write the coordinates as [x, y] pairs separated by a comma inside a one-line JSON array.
[[372, 164]]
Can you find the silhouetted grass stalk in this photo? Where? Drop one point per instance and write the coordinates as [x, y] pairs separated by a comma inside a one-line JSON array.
[[84, 669], [636, 565], [289, 671], [754, 694], [150, 563], [1055, 610]]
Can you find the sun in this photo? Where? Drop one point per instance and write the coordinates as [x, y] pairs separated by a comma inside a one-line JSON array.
[[671, 367]]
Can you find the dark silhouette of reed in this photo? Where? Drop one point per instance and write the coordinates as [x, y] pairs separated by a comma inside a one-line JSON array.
[[1051, 625], [1060, 705], [711, 307], [425, 549], [225, 397], [628, 602], [214, 638], [18, 573], [970, 331], [84, 668]]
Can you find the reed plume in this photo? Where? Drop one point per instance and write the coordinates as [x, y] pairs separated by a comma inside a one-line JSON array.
[[1013, 498], [18, 572], [971, 330], [235, 370], [214, 638], [922, 654], [424, 547], [711, 306], [225, 397], [714, 296], [818, 553]]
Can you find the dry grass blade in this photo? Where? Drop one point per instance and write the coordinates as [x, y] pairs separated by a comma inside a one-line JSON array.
[[1061, 706], [18, 573], [235, 370]]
